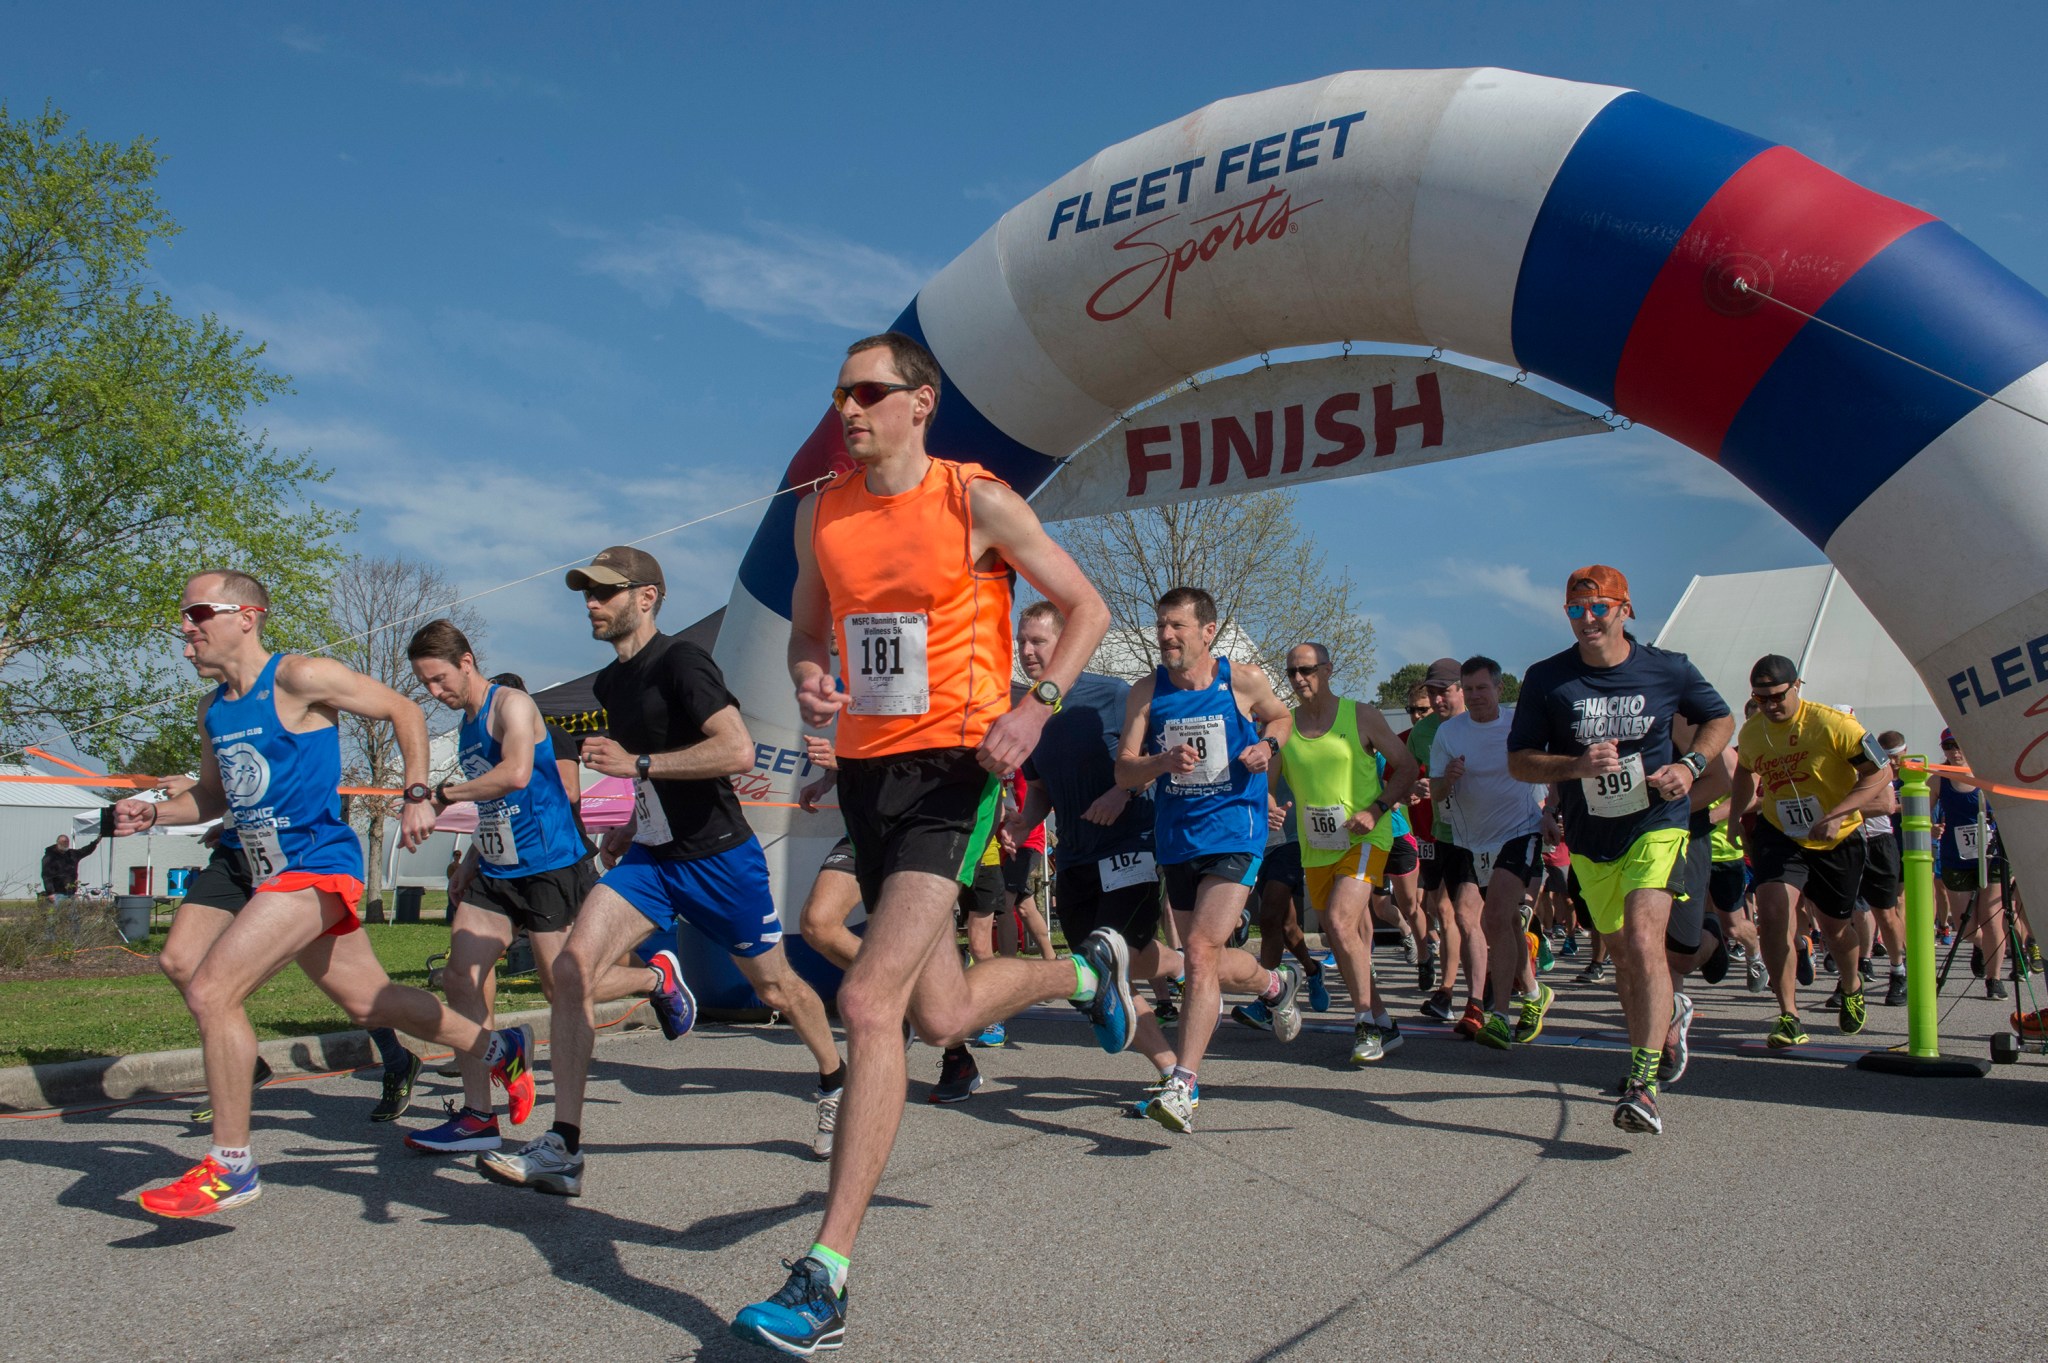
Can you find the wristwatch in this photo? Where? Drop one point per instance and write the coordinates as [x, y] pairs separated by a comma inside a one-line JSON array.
[[441, 793], [643, 764], [1379, 807], [1694, 763], [417, 793], [1047, 693], [1272, 743]]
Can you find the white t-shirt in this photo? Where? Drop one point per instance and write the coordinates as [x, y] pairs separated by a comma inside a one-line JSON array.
[[1489, 808]]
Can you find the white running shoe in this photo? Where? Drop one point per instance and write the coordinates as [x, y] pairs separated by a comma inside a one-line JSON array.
[[1287, 1017], [543, 1164], [828, 1118]]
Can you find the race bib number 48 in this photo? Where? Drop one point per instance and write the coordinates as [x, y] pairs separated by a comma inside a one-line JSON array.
[[1205, 735], [886, 668], [1617, 794]]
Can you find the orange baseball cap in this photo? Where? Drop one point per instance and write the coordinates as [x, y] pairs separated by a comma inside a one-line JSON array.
[[1596, 581]]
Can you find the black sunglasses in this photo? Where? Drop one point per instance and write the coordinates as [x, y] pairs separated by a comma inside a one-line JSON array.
[[868, 392], [605, 591], [1305, 671]]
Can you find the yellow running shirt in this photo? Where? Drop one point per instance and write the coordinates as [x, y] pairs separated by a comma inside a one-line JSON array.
[[1803, 769]]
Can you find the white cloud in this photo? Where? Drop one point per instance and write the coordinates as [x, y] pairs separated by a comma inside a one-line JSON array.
[[1506, 583], [482, 80], [771, 276], [303, 40], [1950, 160], [532, 349], [308, 333]]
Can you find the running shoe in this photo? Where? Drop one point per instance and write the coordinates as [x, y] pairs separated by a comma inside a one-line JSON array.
[[1174, 1107], [465, 1130], [675, 1007], [1596, 973], [1166, 1012], [1473, 1020], [1759, 973], [397, 1091], [1995, 989], [1408, 948], [1787, 1034], [993, 1037], [1805, 962], [543, 1164], [263, 1075], [1286, 1016], [1390, 1037], [1569, 947], [1833, 1001], [2034, 957], [1113, 1013], [1318, 993], [514, 1072], [1368, 1043], [1827, 963], [2033, 1024], [1677, 1054], [1254, 1014], [1895, 988], [1244, 928], [1637, 1110], [1947, 939], [1738, 953], [1495, 1032], [1852, 1012], [959, 1077], [1425, 970], [828, 1121], [1535, 1008], [207, 1187], [1715, 968], [1545, 961], [1438, 1006], [806, 1316]]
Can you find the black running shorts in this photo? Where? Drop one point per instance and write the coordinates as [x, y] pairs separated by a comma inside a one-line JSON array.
[[223, 883], [1828, 878], [1401, 857], [1520, 857], [1689, 909], [1184, 878], [985, 893], [931, 811], [1023, 873], [1085, 906], [546, 902], [1883, 869], [1728, 886]]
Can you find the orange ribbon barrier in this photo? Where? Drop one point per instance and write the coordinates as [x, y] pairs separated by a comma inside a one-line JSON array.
[[1962, 776], [86, 778]]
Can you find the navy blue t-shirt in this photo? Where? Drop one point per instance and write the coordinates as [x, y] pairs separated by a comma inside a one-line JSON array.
[[1567, 705], [1076, 759]]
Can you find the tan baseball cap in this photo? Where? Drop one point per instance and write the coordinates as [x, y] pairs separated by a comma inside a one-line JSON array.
[[619, 566]]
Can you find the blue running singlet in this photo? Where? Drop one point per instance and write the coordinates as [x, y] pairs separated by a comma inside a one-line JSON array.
[[1955, 808], [531, 830], [1218, 807], [282, 787]]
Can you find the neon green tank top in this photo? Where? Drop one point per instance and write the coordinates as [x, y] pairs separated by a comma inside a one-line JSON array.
[[1332, 777], [1723, 849]]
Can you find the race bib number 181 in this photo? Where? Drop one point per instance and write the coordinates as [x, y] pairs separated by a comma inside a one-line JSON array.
[[886, 668]]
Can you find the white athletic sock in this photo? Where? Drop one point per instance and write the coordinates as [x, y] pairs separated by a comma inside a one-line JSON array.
[[233, 1160]]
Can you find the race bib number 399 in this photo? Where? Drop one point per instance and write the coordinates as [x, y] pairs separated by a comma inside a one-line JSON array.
[[1205, 735], [886, 668], [1617, 794]]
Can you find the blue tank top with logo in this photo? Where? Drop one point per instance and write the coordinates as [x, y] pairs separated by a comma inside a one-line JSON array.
[[1219, 807], [1955, 808], [282, 787], [531, 830]]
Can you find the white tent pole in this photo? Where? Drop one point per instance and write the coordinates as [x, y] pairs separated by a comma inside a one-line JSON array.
[[1820, 614]]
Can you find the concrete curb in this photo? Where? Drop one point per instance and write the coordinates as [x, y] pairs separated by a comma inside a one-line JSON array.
[[121, 1078]]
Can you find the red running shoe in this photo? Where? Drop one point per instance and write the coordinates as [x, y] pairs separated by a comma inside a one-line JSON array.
[[1469, 1025], [514, 1072], [207, 1187]]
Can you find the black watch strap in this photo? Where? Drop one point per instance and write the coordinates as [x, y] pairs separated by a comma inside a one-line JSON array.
[[643, 764]]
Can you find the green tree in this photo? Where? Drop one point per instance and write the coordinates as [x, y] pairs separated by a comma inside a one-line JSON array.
[[125, 462], [1273, 587]]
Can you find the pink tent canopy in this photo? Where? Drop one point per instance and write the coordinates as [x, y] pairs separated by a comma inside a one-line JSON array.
[[606, 804]]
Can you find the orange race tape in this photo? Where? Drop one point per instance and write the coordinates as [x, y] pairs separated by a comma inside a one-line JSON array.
[[1962, 776], [149, 783]]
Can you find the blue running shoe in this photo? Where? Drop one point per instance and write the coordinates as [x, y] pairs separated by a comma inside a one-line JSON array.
[[1318, 993], [675, 1007], [806, 1316], [1112, 1012], [1254, 1014], [993, 1037]]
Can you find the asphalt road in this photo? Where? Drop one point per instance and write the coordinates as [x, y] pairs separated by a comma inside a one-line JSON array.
[[1453, 1203]]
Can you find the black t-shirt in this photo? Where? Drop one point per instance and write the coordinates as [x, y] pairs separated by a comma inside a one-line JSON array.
[[1076, 758], [658, 701], [1567, 705]]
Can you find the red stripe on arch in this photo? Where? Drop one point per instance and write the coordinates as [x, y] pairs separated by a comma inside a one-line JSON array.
[[1697, 348]]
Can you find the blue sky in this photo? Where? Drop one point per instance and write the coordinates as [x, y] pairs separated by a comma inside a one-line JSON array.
[[551, 278]]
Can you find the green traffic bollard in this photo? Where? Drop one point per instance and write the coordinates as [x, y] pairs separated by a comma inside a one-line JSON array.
[[1921, 1054]]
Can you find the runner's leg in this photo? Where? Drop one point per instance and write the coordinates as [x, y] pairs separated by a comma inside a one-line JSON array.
[[478, 940], [1214, 967], [606, 928], [782, 989]]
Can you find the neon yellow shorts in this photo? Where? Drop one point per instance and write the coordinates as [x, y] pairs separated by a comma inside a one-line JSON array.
[[1655, 861], [1363, 862]]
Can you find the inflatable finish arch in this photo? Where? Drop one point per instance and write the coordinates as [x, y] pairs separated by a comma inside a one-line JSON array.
[[1585, 233]]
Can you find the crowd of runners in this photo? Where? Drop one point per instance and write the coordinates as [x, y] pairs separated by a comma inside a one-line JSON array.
[[1616, 817]]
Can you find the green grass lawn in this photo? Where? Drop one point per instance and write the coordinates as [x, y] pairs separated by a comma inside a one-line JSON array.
[[50, 1020]]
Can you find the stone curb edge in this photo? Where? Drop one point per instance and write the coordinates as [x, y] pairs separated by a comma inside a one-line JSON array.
[[121, 1078]]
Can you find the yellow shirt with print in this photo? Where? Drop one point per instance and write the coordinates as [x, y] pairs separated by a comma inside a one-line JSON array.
[[1803, 769]]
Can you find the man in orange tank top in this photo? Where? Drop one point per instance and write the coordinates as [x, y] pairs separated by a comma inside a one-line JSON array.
[[907, 560]]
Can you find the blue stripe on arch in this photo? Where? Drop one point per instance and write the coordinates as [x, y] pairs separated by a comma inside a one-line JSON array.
[[1631, 185], [1833, 418], [960, 432]]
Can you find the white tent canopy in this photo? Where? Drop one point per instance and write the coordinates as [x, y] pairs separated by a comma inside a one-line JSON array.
[[1812, 616]]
